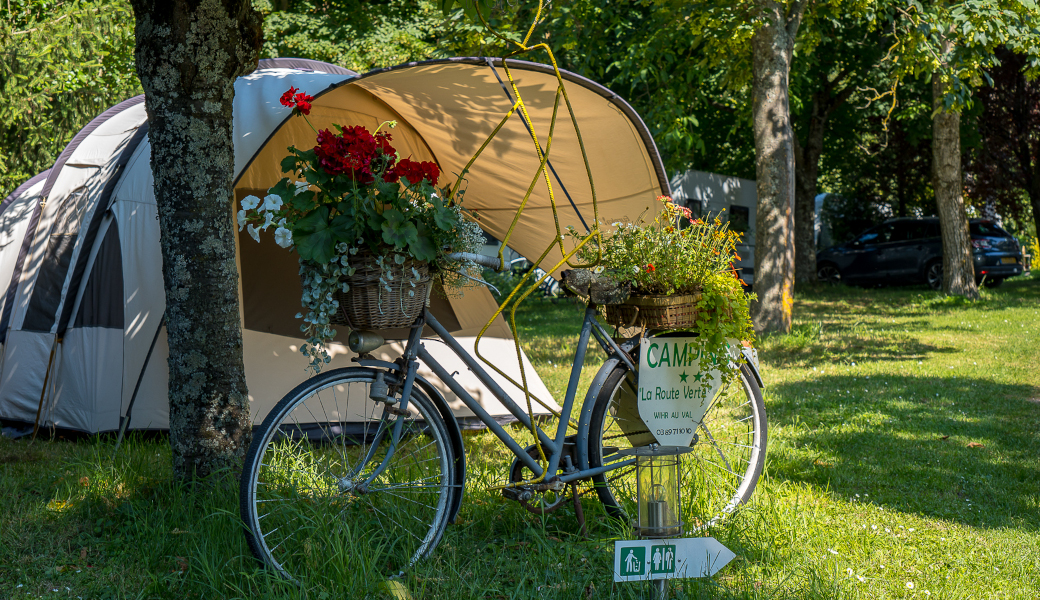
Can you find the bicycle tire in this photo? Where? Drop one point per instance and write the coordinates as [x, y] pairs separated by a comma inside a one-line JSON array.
[[718, 476], [306, 513]]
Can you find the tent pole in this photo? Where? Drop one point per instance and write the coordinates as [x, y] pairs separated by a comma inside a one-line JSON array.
[[43, 393], [125, 420]]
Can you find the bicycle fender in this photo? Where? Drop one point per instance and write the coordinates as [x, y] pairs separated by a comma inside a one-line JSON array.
[[751, 358], [454, 431], [586, 409]]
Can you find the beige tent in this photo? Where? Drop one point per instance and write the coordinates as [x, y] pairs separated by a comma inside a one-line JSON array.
[[84, 315]]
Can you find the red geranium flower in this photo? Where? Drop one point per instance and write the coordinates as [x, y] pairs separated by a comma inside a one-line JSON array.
[[650, 268], [303, 103], [414, 172], [289, 98]]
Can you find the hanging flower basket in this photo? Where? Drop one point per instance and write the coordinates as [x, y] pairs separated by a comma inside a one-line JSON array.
[[369, 227], [382, 296], [655, 312]]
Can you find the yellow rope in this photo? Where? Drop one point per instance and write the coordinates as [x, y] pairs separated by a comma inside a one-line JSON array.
[[558, 241]]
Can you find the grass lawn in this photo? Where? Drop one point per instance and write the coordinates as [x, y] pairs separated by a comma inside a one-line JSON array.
[[903, 462]]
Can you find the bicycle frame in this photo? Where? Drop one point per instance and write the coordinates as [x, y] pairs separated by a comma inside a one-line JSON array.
[[555, 446]]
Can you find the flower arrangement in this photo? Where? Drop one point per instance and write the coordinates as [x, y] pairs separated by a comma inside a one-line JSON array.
[[663, 258], [351, 201]]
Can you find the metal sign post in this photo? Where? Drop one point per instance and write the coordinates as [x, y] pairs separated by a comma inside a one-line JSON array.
[[673, 396]]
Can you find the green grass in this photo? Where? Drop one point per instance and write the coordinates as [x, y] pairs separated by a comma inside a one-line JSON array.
[[904, 451]]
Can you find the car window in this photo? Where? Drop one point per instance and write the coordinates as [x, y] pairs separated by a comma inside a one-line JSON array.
[[886, 233], [919, 230], [987, 229], [903, 231], [868, 237]]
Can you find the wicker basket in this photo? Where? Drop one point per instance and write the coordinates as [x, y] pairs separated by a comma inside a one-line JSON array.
[[655, 312], [369, 305]]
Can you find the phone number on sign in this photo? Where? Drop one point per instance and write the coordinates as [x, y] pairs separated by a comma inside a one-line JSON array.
[[676, 431]]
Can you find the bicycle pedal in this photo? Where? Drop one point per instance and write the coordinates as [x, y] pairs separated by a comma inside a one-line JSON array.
[[517, 494]]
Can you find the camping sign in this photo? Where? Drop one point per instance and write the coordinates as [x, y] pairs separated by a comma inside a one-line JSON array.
[[674, 392]]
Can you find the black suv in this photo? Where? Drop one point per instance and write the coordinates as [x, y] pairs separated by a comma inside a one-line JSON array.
[[910, 251]]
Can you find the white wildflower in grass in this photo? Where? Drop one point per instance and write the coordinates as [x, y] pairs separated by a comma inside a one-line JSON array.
[[253, 232], [283, 237], [861, 578], [250, 202], [832, 550], [909, 585]]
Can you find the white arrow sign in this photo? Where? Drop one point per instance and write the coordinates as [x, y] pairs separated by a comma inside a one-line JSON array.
[[676, 558]]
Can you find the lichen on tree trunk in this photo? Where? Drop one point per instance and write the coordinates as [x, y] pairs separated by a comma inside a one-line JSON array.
[[772, 47], [188, 55], [958, 267]]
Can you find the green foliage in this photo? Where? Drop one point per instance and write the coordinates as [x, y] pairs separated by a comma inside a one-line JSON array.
[[61, 64], [958, 40], [358, 36]]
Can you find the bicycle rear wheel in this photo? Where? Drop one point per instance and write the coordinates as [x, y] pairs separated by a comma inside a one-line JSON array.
[[718, 476], [327, 494]]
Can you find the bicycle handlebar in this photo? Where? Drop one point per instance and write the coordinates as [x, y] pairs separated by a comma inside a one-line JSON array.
[[490, 262]]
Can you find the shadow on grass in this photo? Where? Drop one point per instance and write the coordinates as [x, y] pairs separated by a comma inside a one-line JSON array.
[[956, 448]]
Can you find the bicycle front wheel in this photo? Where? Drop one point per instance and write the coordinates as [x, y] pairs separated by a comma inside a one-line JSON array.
[[338, 486], [719, 474]]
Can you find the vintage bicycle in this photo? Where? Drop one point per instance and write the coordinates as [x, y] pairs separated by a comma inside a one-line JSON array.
[[369, 460]]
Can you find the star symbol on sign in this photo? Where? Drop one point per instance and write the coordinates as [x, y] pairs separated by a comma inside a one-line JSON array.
[[683, 377], [698, 376]]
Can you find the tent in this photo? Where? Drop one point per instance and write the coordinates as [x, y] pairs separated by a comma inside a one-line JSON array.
[[82, 345]]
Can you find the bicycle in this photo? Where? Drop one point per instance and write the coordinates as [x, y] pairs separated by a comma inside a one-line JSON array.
[[372, 454]]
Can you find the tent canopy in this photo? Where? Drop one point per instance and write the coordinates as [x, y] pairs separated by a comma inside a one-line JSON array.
[[79, 245]]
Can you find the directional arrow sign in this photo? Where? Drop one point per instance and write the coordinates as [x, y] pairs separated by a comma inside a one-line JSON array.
[[677, 558]]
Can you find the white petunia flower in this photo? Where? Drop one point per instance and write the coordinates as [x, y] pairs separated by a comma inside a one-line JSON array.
[[301, 187], [250, 202], [271, 202], [283, 237], [268, 220], [253, 232], [241, 219]]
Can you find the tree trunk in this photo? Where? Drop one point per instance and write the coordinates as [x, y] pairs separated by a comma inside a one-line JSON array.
[[188, 56], [1034, 195], [807, 167], [958, 268], [772, 47]]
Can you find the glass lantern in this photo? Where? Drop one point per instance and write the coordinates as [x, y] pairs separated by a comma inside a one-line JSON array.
[[658, 488]]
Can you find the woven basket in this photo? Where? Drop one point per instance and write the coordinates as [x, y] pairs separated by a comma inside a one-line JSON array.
[[655, 312], [369, 305]]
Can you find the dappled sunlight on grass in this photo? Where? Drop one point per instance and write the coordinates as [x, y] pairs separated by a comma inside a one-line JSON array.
[[903, 462]]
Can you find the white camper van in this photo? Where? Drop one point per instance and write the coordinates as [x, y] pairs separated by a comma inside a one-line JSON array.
[[731, 198]]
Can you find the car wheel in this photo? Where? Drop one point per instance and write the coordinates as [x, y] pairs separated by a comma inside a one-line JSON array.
[[828, 274], [933, 274]]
